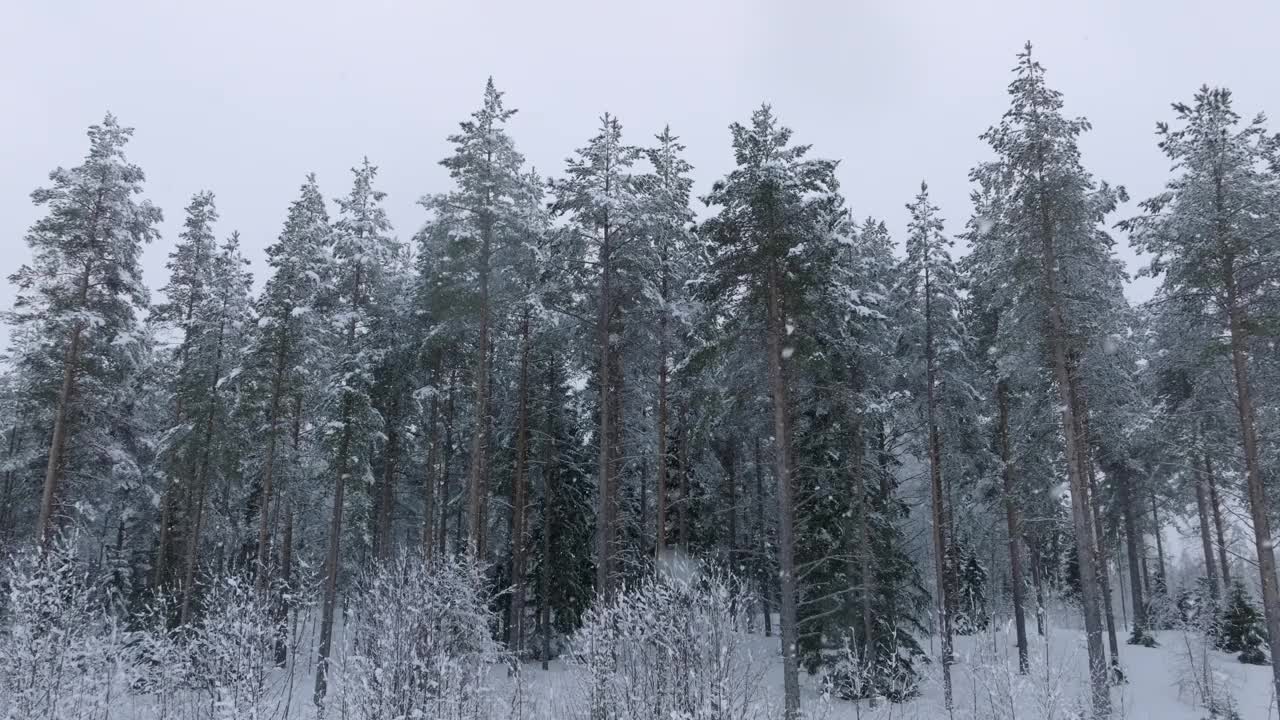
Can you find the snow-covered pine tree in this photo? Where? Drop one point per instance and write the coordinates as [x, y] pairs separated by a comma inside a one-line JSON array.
[[190, 268], [599, 194], [936, 347], [362, 252], [773, 245], [668, 192], [80, 296], [1045, 212], [477, 217], [1212, 236], [286, 344]]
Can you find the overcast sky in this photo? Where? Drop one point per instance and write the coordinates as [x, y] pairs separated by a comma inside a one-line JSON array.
[[245, 97]]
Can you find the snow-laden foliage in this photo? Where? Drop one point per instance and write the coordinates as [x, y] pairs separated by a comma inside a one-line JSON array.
[[673, 647], [62, 653], [417, 643]]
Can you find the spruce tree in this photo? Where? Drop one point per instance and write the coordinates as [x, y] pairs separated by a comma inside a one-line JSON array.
[[1241, 628]]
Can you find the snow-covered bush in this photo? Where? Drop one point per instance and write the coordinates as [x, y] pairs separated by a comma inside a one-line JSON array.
[[672, 648], [232, 654], [417, 643], [62, 654]]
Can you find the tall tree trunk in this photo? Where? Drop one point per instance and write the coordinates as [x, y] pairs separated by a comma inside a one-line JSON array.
[[1202, 511], [446, 475], [58, 443], [551, 481], [282, 600], [1013, 523], [682, 516], [430, 478], [864, 571], [1253, 471], [331, 563], [1133, 536], [268, 470], [775, 330], [604, 490], [762, 545], [1076, 474], [1104, 570], [478, 480], [1156, 529], [1099, 524], [518, 501], [660, 475], [615, 469], [1215, 509], [386, 498], [192, 555], [935, 485]]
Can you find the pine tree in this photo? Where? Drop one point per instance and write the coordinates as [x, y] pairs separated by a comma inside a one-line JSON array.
[[362, 252], [599, 193], [83, 290], [939, 372], [772, 245], [485, 168], [287, 342], [1045, 210], [1212, 235], [668, 189]]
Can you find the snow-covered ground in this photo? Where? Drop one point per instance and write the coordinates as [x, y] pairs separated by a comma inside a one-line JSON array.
[[987, 686]]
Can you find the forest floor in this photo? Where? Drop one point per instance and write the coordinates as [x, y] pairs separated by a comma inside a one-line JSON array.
[[1162, 683], [986, 686]]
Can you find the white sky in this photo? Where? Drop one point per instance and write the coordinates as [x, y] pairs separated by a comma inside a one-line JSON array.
[[245, 97]]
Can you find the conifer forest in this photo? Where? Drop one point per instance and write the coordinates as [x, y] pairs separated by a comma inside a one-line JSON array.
[[599, 441]]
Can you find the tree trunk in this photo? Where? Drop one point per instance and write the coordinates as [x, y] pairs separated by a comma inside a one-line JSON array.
[[865, 572], [57, 445], [682, 516], [518, 502], [386, 499], [762, 545], [551, 481], [1215, 509], [1133, 536], [775, 330], [430, 479], [1163, 585], [331, 564], [660, 476], [281, 609], [1206, 543], [264, 501], [446, 475], [935, 485], [604, 490], [1253, 471], [1013, 523], [478, 480], [1078, 480]]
